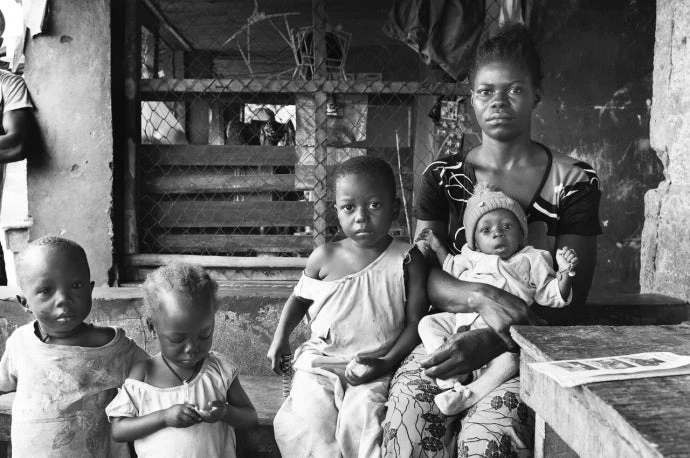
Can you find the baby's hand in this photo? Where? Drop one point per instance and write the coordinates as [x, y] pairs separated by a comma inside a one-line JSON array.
[[215, 411], [181, 416], [567, 260], [426, 239], [363, 369]]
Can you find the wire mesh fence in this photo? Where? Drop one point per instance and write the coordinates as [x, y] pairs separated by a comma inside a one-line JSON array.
[[246, 107]]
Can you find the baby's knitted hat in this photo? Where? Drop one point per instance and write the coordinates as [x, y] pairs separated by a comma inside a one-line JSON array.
[[484, 200]]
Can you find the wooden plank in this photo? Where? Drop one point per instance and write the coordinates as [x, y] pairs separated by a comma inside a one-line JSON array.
[[626, 418], [132, 57], [199, 182], [227, 262], [172, 89], [234, 243], [220, 213], [218, 155]]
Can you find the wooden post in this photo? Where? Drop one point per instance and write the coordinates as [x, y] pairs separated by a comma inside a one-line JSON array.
[[320, 119], [132, 67]]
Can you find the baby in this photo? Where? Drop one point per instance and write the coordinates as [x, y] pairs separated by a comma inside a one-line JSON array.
[[496, 253], [64, 370], [186, 400]]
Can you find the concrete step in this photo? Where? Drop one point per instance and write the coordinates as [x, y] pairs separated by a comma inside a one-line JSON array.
[[265, 393]]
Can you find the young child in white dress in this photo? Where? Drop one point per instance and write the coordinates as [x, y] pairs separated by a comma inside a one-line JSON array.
[[363, 297], [186, 400], [496, 253], [64, 371]]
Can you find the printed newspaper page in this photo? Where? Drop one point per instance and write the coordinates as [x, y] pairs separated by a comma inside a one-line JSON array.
[[640, 365]]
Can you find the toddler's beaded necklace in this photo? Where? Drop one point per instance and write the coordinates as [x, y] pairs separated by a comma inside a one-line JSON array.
[[197, 368]]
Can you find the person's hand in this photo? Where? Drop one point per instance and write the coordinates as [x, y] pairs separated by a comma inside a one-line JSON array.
[[567, 260], [278, 348], [363, 369], [181, 416], [500, 310], [215, 411], [427, 239], [463, 352]]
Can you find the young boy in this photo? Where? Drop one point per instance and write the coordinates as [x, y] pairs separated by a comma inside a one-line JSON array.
[[363, 296], [64, 370], [496, 254]]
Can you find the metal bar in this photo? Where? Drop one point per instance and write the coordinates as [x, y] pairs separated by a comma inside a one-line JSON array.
[[173, 31], [132, 56]]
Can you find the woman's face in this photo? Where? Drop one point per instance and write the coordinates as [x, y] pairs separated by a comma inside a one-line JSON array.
[[503, 97]]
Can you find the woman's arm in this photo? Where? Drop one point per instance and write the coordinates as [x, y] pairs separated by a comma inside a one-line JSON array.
[[586, 249]]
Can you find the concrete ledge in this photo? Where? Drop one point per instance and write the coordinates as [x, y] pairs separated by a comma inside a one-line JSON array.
[[245, 321]]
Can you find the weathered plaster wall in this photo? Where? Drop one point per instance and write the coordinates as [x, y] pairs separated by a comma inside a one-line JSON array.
[[70, 182], [597, 60], [666, 235]]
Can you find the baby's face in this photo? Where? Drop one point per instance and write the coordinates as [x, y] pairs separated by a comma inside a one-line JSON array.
[[498, 232]]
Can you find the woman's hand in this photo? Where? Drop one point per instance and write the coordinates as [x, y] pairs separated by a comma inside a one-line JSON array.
[[463, 352], [181, 416], [364, 369]]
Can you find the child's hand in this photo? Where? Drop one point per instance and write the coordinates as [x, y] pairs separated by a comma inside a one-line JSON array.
[[426, 239], [363, 369], [567, 260], [181, 416], [214, 412], [277, 349]]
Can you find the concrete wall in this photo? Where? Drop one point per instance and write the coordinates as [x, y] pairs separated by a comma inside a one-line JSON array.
[[666, 236], [597, 63], [68, 72]]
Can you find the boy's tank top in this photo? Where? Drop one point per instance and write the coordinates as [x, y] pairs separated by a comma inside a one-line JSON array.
[[361, 313]]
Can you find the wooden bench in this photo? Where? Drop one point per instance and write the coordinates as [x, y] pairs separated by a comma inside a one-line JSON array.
[[258, 442]]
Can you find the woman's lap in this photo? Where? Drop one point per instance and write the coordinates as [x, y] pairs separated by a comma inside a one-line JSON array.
[[499, 425]]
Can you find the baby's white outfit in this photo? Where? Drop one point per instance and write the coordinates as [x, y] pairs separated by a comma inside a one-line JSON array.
[[202, 440], [360, 314], [528, 274]]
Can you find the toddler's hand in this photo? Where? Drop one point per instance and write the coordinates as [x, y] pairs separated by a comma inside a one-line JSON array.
[[277, 349], [363, 369], [567, 260], [427, 240], [181, 416], [215, 411]]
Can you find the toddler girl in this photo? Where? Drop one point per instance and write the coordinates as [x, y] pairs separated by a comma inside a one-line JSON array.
[[185, 400], [495, 254], [363, 297], [64, 371]]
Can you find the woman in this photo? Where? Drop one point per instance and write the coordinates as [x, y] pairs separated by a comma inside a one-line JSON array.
[[561, 198]]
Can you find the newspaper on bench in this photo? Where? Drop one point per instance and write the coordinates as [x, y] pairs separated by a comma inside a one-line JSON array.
[[575, 372]]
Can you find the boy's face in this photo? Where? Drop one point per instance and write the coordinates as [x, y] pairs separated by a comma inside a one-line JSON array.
[[57, 287], [366, 208], [498, 232], [184, 329]]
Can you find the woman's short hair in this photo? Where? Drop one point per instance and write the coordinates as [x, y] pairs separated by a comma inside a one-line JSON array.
[[190, 280], [512, 44]]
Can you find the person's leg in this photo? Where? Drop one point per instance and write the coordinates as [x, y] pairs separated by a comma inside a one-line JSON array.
[[359, 421], [500, 424], [305, 425], [500, 369], [434, 330], [413, 426]]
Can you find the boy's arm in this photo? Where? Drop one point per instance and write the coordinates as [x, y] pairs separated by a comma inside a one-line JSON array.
[[416, 307], [293, 311]]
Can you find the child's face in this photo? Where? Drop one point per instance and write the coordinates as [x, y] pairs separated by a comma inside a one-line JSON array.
[[185, 329], [57, 288], [498, 232], [366, 208], [503, 97]]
